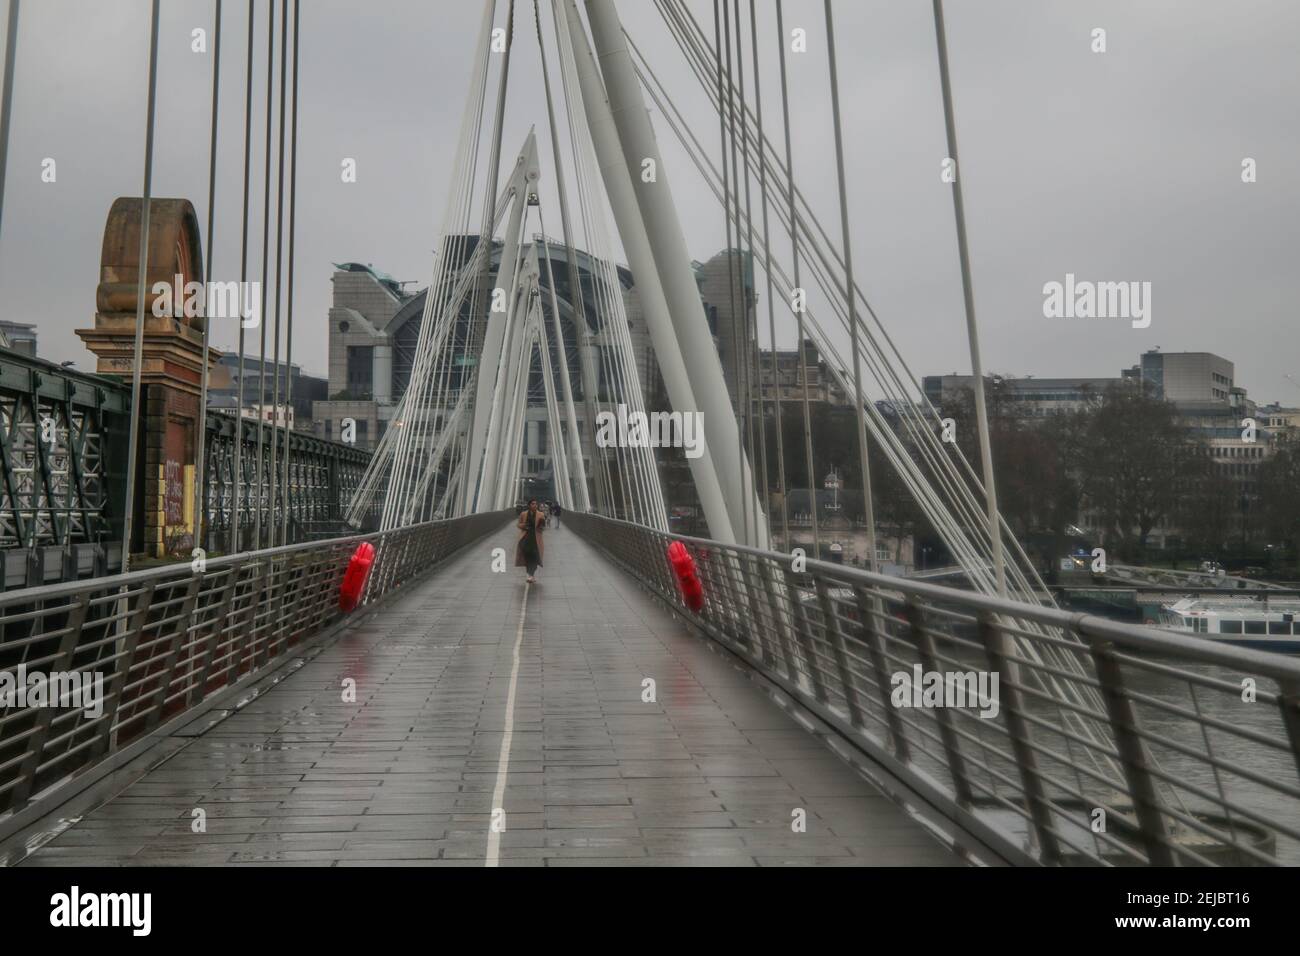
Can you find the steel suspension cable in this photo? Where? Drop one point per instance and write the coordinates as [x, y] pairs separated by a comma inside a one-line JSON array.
[[448, 348], [578, 136], [559, 465], [1070, 691], [276, 430], [571, 450], [867, 504], [603, 306], [677, 25], [641, 479], [606, 291], [133, 440], [431, 389], [480, 85], [799, 313], [968, 294], [290, 498], [682, 24], [497, 423], [771, 306], [201, 427], [956, 542], [239, 488], [828, 349], [401, 447], [754, 384], [574, 285], [7, 95], [825, 283], [489, 204], [953, 536], [587, 342], [266, 245], [706, 169], [735, 275], [719, 11]]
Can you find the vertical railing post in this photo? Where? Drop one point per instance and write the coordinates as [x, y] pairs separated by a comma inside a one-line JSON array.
[[281, 586], [803, 638], [324, 561], [380, 570], [724, 603], [292, 603], [925, 647], [248, 647], [126, 648], [387, 554], [410, 548], [868, 608], [781, 631], [831, 624], [45, 715], [662, 575], [184, 619], [266, 594], [199, 690], [1288, 703], [394, 558], [1132, 755], [754, 638], [1011, 702], [776, 635]]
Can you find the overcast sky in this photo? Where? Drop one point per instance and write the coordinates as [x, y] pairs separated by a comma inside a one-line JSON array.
[[1118, 166]]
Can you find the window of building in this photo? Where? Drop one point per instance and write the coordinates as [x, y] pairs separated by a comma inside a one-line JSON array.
[[1255, 627], [1230, 627], [1279, 627], [361, 370]]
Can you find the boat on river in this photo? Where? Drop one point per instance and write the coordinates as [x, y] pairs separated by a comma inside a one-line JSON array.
[[1271, 624]]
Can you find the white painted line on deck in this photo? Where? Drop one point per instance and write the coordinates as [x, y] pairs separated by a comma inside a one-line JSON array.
[[503, 762]]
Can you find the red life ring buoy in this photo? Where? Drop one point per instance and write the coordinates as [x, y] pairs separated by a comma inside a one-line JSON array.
[[354, 579], [684, 567]]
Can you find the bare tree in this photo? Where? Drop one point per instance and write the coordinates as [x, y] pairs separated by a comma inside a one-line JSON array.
[[1131, 455]]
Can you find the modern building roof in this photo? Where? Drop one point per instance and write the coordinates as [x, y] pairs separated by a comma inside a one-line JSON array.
[[383, 278]]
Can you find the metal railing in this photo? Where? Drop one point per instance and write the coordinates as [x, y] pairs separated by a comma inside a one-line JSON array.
[[1102, 743], [162, 642]]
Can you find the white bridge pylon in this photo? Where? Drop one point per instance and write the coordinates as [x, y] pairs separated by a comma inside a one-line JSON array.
[[456, 441], [459, 445], [484, 455]]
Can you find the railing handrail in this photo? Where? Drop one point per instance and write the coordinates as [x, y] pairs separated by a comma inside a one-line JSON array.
[[1136, 636], [1087, 716], [164, 643], [179, 568]]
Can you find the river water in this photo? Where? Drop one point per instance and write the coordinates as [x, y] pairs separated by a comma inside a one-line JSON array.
[[1178, 742]]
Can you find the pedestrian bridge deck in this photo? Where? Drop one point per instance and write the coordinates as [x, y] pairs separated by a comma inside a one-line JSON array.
[[449, 724]]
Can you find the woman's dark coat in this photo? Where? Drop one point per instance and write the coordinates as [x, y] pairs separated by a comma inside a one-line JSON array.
[[521, 550]]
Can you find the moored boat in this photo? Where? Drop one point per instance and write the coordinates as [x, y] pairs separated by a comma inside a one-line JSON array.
[[1271, 625]]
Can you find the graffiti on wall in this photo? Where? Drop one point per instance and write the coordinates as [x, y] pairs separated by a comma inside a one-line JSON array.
[[176, 494]]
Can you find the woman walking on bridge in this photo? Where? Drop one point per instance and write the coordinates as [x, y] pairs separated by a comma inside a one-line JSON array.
[[528, 553]]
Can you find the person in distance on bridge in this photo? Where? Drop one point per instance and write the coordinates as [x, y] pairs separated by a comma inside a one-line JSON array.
[[555, 512], [528, 553]]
